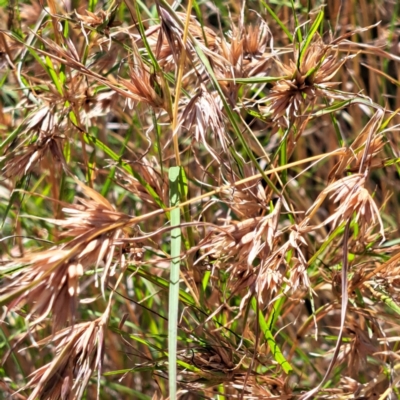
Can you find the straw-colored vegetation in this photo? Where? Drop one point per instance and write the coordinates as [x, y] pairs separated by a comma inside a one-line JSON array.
[[199, 199]]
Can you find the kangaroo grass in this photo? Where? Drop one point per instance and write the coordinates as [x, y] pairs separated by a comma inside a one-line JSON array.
[[199, 200]]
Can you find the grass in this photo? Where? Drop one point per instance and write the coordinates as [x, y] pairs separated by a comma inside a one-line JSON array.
[[199, 200]]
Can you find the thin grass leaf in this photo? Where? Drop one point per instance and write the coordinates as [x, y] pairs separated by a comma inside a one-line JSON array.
[[275, 350], [296, 23], [380, 295], [13, 135], [163, 283], [310, 36], [278, 21], [174, 176], [54, 76], [153, 59], [345, 103]]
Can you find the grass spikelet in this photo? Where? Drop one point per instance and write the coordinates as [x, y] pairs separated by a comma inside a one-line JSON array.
[[79, 352]]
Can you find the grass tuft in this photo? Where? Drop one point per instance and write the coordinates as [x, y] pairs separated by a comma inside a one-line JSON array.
[[199, 200]]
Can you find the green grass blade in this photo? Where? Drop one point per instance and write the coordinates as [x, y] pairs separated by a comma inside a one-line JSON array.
[[144, 38], [269, 337], [313, 30], [335, 124], [53, 75], [278, 21], [163, 283], [380, 295], [13, 135], [174, 195], [345, 103], [296, 23]]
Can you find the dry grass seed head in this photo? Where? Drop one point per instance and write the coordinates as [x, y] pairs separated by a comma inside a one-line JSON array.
[[95, 20], [161, 46], [143, 84], [275, 270], [363, 149], [355, 353], [173, 32], [298, 277], [45, 283], [238, 248], [370, 158], [246, 200], [217, 356], [148, 170], [256, 59], [94, 226], [242, 55], [79, 352], [41, 131], [49, 280], [204, 113], [353, 198], [304, 82]]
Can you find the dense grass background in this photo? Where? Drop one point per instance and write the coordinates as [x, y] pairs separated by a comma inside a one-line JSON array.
[[199, 199]]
